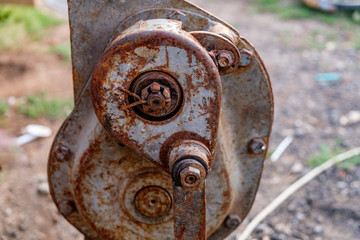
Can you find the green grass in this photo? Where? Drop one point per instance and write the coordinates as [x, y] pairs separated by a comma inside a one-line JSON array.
[[63, 50], [356, 41], [18, 24], [343, 23], [313, 41], [1, 176], [326, 152], [295, 9], [3, 107], [36, 106], [350, 163], [269, 153]]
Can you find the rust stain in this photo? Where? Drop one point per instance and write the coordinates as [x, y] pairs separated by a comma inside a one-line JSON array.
[[254, 105]]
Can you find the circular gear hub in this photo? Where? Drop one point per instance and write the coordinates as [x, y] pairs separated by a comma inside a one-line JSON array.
[[161, 94]]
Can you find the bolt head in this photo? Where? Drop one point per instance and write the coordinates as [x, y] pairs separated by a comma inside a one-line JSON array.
[[257, 146], [225, 59], [190, 176], [66, 208], [155, 87], [232, 221], [61, 152]]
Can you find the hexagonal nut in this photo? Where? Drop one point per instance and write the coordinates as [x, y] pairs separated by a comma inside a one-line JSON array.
[[225, 59], [153, 93], [156, 102], [190, 177]]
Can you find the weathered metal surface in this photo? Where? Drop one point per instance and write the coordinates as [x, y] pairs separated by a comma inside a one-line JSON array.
[[94, 181], [190, 212], [221, 48], [157, 45], [110, 176]]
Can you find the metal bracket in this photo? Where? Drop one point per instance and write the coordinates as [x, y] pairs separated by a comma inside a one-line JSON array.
[[100, 185]]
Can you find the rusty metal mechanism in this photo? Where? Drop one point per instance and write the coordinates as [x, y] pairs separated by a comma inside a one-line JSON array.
[[170, 128]]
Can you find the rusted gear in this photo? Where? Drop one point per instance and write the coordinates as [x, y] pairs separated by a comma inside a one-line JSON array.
[[160, 91]]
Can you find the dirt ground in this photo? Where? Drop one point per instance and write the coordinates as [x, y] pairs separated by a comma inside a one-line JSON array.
[[327, 208]]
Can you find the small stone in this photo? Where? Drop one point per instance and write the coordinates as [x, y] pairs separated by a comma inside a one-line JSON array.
[[341, 184], [319, 219], [282, 237], [352, 117], [299, 132], [263, 229], [41, 178], [345, 192], [274, 180], [43, 189], [297, 168], [21, 228], [355, 184], [7, 212], [300, 216], [11, 100], [330, 46], [318, 229], [291, 207]]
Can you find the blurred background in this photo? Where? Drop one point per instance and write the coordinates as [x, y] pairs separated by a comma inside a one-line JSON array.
[[312, 55]]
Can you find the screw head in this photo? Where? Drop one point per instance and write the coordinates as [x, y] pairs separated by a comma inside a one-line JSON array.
[[232, 221], [66, 208], [257, 146], [61, 152], [225, 59]]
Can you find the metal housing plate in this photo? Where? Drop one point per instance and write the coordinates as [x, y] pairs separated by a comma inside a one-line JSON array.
[[95, 167]]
